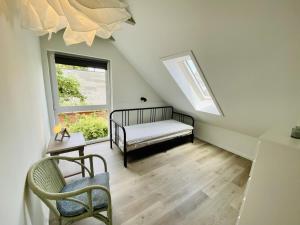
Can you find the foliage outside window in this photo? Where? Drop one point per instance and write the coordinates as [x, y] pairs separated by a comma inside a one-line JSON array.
[[68, 89], [91, 125]]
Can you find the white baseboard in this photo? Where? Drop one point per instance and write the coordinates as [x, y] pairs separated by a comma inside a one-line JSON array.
[[237, 143]]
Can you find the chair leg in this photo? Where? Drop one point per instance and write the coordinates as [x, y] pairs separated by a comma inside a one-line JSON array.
[[109, 215], [107, 220]]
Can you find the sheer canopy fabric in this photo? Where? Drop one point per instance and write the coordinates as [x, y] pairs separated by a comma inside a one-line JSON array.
[[82, 19]]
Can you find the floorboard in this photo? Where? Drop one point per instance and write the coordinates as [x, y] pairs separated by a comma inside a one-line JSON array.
[[191, 184]]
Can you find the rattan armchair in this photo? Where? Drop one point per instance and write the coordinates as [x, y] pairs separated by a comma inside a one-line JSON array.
[[79, 199]]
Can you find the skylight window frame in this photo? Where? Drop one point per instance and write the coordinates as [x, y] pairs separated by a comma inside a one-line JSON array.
[[198, 83], [202, 77]]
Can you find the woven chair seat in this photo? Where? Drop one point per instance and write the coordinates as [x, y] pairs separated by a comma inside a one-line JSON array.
[[99, 197]]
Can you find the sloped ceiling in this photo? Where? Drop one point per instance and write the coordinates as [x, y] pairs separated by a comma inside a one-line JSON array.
[[249, 51]]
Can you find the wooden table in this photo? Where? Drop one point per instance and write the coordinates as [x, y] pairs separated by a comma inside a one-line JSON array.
[[69, 144]]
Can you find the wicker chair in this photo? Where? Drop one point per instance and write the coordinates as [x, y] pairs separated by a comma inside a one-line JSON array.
[[85, 197]]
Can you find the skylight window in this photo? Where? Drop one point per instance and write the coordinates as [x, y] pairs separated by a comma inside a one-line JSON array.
[[189, 77]]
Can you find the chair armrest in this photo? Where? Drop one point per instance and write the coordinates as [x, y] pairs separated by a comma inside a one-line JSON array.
[[62, 196], [69, 196], [90, 157]]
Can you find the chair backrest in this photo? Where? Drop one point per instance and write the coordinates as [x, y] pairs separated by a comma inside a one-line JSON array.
[[47, 176], [44, 177]]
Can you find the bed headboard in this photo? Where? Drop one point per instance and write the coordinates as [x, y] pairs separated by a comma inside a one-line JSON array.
[[127, 117]]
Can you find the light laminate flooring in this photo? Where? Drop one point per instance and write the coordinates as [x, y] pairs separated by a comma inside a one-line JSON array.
[[191, 184]]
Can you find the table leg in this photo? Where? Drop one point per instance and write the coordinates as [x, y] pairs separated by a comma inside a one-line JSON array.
[[57, 161], [81, 153]]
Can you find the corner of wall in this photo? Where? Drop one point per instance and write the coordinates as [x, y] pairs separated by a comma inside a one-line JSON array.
[[237, 143], [159, 101]]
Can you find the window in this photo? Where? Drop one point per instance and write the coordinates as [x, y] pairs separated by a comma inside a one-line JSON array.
[[81, 94], [190, 79]]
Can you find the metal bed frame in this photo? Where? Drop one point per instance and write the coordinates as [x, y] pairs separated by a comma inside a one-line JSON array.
[[132, 116]]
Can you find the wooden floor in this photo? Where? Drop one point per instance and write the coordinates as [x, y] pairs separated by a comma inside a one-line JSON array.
[[192, 184]]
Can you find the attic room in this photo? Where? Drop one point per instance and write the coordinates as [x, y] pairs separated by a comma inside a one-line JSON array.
[[124, 112]]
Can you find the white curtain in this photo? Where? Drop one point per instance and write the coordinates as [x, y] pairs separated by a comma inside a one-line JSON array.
[[82, 19]]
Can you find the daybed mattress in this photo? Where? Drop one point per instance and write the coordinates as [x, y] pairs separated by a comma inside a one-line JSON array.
[[141, 135]]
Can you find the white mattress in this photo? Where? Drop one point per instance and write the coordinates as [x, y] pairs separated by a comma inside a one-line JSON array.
[[141, 135]]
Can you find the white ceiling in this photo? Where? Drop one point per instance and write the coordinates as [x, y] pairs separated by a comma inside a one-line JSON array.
[[249, 51]]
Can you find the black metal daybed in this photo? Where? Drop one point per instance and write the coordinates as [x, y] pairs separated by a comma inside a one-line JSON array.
[[132, 129]]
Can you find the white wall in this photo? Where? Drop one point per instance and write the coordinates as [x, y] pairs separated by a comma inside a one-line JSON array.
[[235, 142], [23, 118], [127, 84]]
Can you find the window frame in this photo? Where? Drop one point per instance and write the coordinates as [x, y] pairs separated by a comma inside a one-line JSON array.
[[57, 108], [198, 83], [202, 77]]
